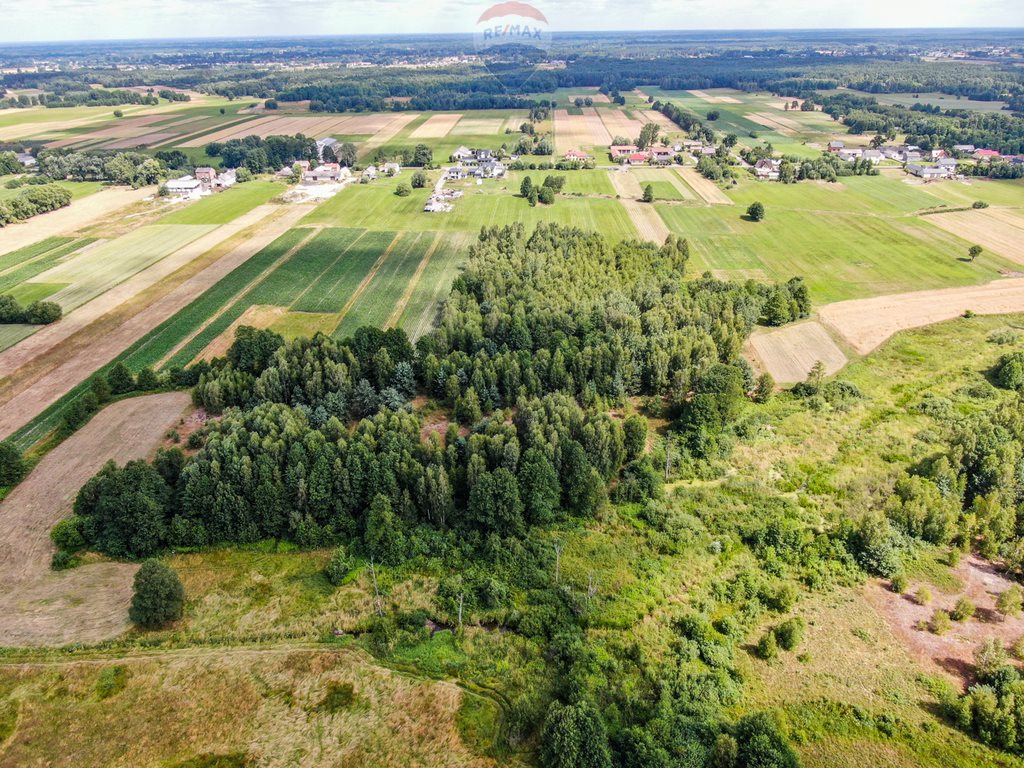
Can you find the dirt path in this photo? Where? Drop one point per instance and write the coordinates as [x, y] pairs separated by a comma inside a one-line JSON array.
[[74, 360], [79, 214], [51, 335], [789, 353], [89, 603], [866, 323]]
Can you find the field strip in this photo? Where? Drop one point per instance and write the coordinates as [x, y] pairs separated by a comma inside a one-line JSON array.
[[707, 189], [245, 289], [789, 353], [866, 323], [626, 184], [649, 225], [413, 283], [599, 131], [358, 292], [188, 137], [999, 231], [705, 97], [436, 126], [51, 335], [773, 123], [388, 132], [647, 175], [653, 116], [29, 130], [79, 214], [88, 603], [71, 363]]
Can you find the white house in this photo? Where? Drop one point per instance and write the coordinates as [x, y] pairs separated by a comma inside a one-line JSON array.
[[322, 144], [186, 187], [370, 172], [767, 168], [928, 171], [461, 154], [26, 159], [392, 169]]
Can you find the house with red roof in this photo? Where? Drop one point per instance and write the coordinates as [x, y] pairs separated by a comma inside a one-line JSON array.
[[575, 154], [986, 154], [636, 158], [621, 150]]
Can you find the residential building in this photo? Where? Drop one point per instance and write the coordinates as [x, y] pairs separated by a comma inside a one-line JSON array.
[[928, 171], [986, 154], [392, 169], [767, 168], [327, 172], [662, 154], [322, 144], [186, 187], [621, 150], [575, 155], [461, 154], [26, 159], [835, 146]]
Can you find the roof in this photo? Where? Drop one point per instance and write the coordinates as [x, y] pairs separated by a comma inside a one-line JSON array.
[[836, 144], [986, 153], [638, 156]]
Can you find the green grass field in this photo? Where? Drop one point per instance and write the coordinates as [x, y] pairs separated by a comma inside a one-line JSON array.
[[18, 267], [225, 206], [355, 252], [434, 285]]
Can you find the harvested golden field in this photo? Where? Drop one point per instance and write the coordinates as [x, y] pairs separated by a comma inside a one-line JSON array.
[[272, 707], [651, 116], [571, 132], [649, 225], [626, 184], [866, 323], [436, 127], [617, 123], [998, 230], [777, 123], [789, 353], [387, 132]]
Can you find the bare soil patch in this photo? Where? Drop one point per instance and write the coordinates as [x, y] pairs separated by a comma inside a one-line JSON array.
[[998, 230], [789, 353], [707, 189], [88, 603], [952, 653], [79, 214], [866, 323]]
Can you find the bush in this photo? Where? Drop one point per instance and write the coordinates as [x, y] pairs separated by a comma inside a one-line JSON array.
[[789, 633], [62, 561], [963, 611], [924, 596], [761, 744], [67, 534], [403, 190], [338, 566], [158, 598], [111, 681], [12, 464], [756, 211], [1009, 602], [899, 583], [767, 647], [940, 623]]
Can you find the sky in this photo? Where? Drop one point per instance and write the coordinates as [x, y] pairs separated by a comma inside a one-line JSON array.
[[46, 20]]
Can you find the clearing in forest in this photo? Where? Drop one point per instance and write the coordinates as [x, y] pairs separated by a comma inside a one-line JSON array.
[[789, 353], [88, 603]]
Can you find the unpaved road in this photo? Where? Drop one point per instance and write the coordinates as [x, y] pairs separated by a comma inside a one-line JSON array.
[[866, 323], [74, 360], [88, 603]]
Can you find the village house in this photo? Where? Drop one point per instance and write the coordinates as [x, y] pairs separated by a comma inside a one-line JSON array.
[[662, 154], [965, 148], [621, 150], [692, 145], [767, 168], [852, 153], [461, 154], [322, 144], [928, 172], [574, 155], [635, 158], [327, 172], [392, 169], [26, 159], [370, 173], [873, 155], [947, 162], [986, 154], [708, 151], [835, 146], [455, 173], [186, 188], [491, 169]]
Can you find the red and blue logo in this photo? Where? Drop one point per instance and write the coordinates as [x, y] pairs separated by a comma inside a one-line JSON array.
[[512, 24]]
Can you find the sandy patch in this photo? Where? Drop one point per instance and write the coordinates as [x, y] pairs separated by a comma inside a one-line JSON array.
[[705, 188], [436, 127], [81, 213], [88, 603], [997, 230], [649, 225], [953, 652], [789, 353], [867, 323]]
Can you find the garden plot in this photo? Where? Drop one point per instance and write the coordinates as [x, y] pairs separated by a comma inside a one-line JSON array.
[[436, 127], [100, 269], [789, 353], [998, 230], [707, 189]]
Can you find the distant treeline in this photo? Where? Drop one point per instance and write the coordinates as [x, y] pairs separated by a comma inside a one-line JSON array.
[[31, 201]]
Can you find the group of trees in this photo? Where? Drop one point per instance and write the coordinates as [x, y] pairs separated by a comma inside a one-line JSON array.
[[36, 313], [261, 155], [131, 168], [544, 193], [420, 156], [31, 201]]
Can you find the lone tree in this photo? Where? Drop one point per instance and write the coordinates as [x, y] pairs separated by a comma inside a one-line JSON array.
[[1010, 602], [526, 187], [649, 194], [159, 596], [12, 465], [402, 190], [756, 211], [974, 252]]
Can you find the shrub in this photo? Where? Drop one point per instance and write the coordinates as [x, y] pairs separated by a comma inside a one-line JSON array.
[[338, 566], [12, 465], [1017, 649], [159, 597], [403, 190], [67, 534], [899, 583], [339, 696], [963, 611], [979, 204], [989, 657], [767, 647], [924, 596], [1009, 601], [62, 561], [756, 211], [789, 633], [940, 623], [111, 681]]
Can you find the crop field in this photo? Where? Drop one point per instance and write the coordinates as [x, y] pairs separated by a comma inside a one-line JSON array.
[[436, 126], [830, 235], [355, 252], [375, 304], [594, 182], [26, 263], [434, 284], [108, 264], [998, 230], [225, 206]]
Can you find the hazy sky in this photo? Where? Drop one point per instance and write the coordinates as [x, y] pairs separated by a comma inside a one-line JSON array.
[[24, 20]]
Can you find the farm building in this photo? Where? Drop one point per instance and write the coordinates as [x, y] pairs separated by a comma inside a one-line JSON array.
[[835, 146], [928, 171], [186, 187], [370, 173], [26, 159], [461, 154], [327, 143], [767, 168], [392, 169], [661, 155], [327, 172], [621, 150], [966, 148]]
